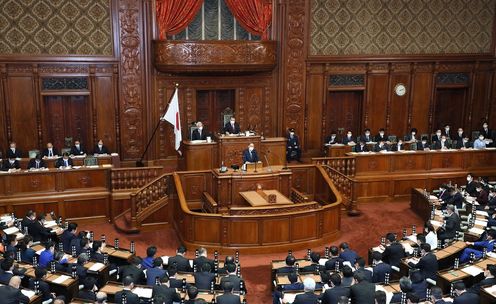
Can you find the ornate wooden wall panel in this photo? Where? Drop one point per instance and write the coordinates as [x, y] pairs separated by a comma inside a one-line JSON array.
[[315, 118], [293, 65], [398, 104], [132, 65], [479, 103], [21, 110], [104, 108], [375, 109], [421, 92]]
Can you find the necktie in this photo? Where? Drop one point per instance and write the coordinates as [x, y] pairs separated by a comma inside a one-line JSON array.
[[65, 162], [37, 165], [50, 153]]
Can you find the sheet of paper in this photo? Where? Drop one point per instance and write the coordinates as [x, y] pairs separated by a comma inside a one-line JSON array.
[[11, 230], [165, 260], [97, 267], [476, 230], [472, 270], [50, 224], [27, 293], [483, 213], [289, 297], [481, 223], [5, 218], [322, 262], [378, 249], [143, 292], [61, 279]]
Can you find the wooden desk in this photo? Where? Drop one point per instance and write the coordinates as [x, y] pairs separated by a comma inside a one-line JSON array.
[[256, 200], [113, 160], [337, 150], [231, 148], [69, 287], [230, 184], [66, 192], [200, 155]]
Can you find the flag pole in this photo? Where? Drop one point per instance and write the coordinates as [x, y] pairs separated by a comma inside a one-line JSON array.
[[140, 163]]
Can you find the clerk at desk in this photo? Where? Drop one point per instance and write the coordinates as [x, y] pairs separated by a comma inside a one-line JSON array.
[[250, 155], [64, 161], [232, 127]]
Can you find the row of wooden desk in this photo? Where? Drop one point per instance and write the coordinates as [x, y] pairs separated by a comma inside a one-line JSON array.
[[103, 159]]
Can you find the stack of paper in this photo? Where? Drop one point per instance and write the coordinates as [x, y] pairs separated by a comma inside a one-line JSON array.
[[11, 230], [476, 230], [143, 292], [472, 270], [61, 279], [96, 267]]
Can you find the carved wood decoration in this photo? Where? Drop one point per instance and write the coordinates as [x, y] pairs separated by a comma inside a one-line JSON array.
[[215, 56], [132, 84], [293, 60]]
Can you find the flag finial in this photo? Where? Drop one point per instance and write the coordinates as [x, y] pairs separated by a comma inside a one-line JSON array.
[[177, 85]]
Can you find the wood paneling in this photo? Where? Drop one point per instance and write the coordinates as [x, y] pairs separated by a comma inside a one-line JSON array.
[[421, 92], [105, 111], [398, 105], [449, 108], [377, 100], [344, 111], [279, 229], [315, 109]]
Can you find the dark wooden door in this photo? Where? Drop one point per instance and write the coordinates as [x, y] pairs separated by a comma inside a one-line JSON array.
[[210, 104], [67, 116], [450, 107], [344, 112]]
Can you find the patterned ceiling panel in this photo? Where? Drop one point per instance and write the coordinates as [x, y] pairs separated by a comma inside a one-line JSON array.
[[378, 27], [55, 27]]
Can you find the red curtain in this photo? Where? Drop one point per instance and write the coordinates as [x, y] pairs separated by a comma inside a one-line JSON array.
[[253, 15], [174, 15]]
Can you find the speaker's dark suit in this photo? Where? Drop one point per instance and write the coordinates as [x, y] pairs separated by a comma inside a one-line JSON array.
[[306, 298], [32, 164], [393, 254], [203, 280], [421, 146], [379, 138], [438, 145], [467, 298], [229, 128], [197, 135], [250, 157], [451, 227]]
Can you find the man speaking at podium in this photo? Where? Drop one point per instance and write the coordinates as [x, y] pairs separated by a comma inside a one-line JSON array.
[[250, 155]]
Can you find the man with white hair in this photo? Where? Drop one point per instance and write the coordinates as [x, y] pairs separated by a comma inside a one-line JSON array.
[[309, 297]]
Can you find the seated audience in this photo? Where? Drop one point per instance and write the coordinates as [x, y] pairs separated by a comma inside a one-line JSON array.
[[126, 292], [77, 149], [169, 295], [309, 297], [156, 272], [289, 267], [13, 152], [202, 259], [462, 296], [394, 251], [362, 291], [233, 278], [380, 269], [334, 259], [478, 247], [427, 264], [150, 256], [348, 139], [381, 136], [335, 291], [366, 137], [182, 263], [64, 161], [100, 148], [347, 254], [228, 297], [50, 151], [88, 291], [11, 164], [11, 293], [204, 277], [360, 268]]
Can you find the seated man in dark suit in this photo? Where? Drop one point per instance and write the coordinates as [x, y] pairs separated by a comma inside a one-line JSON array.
[[11, 164], [232, 127], [44, 289], [13, 152], [427, 264], [470, 186], [437, 296], [334, 259], [157, 271], [346, 253], [360, 268], [348, 139], [397, 146], [423, 145], [204, 277], [79, 266], [250, 155], [332, 295], [7, 267], [405, 287], [228, 297], [452, 224], [366, 137], [27, 253], [131, 298], [68, 235], [394, 251], [11, 293], [229, 259], [381, 146], [380, 269], [173, 282], [462, 296], [412, 136], [464, 143], [459, 135], [455, 198], [36, 163], [361, 147], [77, 149], [38, 231], [441, 144], [88, 291], [202, 259], [419, 284], [290, 262], [50, 151], [134, 271], [332, 139], [100, 148], [168, 294], [486, 132], [436, 137], [381, 136], [309, 297], [192, 294], [293, 149], [64, 161], [200, 133], [182, 263], [233, 278], [447, 132], [315, 258], [362, 292], [96, 252], [489, 279]]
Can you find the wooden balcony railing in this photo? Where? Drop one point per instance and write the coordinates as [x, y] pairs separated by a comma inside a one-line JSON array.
[[344, 165], [133, 178], [149, 199], [345, 185]]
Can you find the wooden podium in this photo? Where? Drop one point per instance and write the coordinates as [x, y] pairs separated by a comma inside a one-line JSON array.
[[200, 155], [231, 148]]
